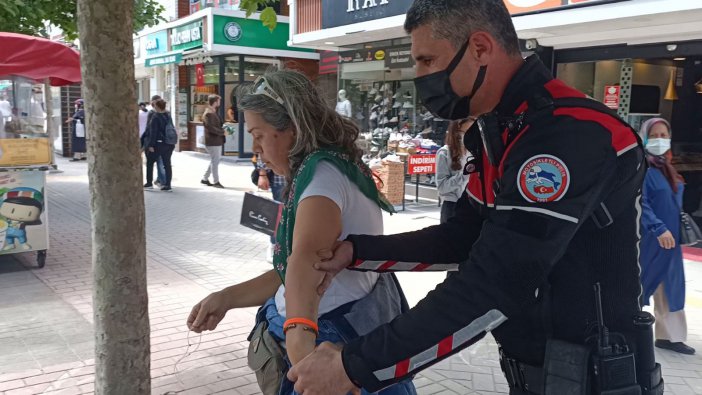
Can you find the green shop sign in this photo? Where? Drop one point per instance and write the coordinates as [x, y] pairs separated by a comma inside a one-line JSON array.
[[186, 36], [163, 60], [251, 33]]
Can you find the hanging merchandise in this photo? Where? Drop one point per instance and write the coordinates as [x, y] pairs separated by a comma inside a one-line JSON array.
[[397, 104], [408, 105], [407, 95]]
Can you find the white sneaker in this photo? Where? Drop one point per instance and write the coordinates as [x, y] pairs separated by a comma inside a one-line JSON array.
[[269, 253]]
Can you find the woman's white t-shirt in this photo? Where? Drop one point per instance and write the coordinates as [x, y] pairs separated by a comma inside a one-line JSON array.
[[359, 215]]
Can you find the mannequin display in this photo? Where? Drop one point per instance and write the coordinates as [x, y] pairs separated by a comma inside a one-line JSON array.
[[5, 113], [37, 112], [343, 106]]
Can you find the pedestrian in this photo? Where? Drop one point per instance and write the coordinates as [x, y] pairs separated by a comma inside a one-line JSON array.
[[160, 169], [157, 146], [549, 217], [78, 137], [450, 161], [299, 137], [214, 140], [662, 270], [143, 118]]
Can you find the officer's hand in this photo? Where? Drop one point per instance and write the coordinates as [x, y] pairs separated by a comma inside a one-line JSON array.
[[332, 262], [666, 240], [322, 373]]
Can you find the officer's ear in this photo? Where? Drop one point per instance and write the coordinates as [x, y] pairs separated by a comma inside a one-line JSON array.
[[481, 47]]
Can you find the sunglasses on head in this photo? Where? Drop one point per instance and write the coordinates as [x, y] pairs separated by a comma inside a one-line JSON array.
[[261, 88]]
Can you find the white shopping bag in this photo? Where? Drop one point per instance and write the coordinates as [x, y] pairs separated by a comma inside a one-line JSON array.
[[80, 129]]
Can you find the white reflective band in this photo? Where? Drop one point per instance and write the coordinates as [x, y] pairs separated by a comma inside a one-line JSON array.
[[476, 198], [369, 265], [442, 267], [385, 374], [627, 149], [541, 211], [406, 266], [485, 323]]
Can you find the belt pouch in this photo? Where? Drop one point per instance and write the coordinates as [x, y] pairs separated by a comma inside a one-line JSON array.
[[566, 368], [266, 359]]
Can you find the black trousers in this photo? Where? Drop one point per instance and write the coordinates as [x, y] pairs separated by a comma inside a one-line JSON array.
[[448, 210], [164, 151]]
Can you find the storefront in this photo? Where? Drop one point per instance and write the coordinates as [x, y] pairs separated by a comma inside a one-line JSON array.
[[216, 51], [638, 56]]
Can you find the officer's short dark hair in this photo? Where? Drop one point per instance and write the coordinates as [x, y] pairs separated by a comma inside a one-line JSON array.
[[456, 20]]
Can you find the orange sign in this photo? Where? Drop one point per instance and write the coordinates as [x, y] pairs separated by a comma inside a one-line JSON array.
[[522, 6]]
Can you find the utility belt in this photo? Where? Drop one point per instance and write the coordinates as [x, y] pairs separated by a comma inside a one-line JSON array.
[[581, 370], [522, 376]]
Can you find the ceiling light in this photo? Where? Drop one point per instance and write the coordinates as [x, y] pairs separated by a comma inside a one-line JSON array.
[[329, 43], [678, 58], [252, 75]]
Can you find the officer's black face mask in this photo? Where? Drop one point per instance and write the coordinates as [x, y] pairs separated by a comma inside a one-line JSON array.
[[437, 94]]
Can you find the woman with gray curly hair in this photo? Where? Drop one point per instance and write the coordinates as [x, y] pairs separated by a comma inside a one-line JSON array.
[[331, 193]]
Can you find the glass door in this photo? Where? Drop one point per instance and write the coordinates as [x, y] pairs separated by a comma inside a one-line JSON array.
[[251, 68]]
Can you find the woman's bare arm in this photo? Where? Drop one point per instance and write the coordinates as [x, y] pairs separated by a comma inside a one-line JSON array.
[[317, 227]]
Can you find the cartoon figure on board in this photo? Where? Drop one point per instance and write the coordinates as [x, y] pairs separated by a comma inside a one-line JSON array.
[[21, 207]]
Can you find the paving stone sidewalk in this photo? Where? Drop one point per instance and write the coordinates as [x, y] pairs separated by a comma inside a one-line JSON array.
[[195, 246]]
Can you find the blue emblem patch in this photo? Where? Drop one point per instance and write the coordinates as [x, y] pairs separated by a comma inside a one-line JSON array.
[[543, 178]]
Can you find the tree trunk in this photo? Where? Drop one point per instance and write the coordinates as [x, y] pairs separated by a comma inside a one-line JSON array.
[[120, 301]]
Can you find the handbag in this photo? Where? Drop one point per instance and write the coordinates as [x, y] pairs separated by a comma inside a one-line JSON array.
[[266, 359], [689, 231]]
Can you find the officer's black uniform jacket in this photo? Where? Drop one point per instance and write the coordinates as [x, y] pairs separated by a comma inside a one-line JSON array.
[[527, 267]]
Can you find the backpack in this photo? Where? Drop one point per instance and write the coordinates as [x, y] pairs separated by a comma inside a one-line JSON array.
[[171, 135]]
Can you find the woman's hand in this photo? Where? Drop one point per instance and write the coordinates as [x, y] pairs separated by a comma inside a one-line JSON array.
[[263, 183], [208, 313], [666, 240]]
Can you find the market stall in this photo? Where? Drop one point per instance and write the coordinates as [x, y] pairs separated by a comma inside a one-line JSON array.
[[28, 66]]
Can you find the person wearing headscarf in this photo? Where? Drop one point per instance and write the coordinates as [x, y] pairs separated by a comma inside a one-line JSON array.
[[662, 271], [78, 127]]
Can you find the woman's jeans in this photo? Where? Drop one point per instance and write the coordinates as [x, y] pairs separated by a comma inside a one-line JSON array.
[[161, 152], [328, 332], [161, 171]]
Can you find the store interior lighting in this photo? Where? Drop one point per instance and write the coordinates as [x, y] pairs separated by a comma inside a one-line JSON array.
[[678, 59]]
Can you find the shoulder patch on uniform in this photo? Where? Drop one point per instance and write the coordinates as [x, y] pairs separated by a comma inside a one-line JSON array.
[[543, 178]]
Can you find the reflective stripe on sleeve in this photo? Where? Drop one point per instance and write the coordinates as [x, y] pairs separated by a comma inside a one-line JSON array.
[[462, 338]]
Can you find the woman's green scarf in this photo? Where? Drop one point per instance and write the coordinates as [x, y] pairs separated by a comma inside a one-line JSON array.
[[357, 172]]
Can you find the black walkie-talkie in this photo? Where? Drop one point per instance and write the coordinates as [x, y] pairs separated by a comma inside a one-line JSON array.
[[613, 363]]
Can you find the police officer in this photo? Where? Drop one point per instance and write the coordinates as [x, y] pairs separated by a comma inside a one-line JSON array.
[[550, 210]]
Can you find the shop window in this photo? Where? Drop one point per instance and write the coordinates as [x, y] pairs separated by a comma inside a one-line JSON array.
[[385, 106], [199, 94]]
